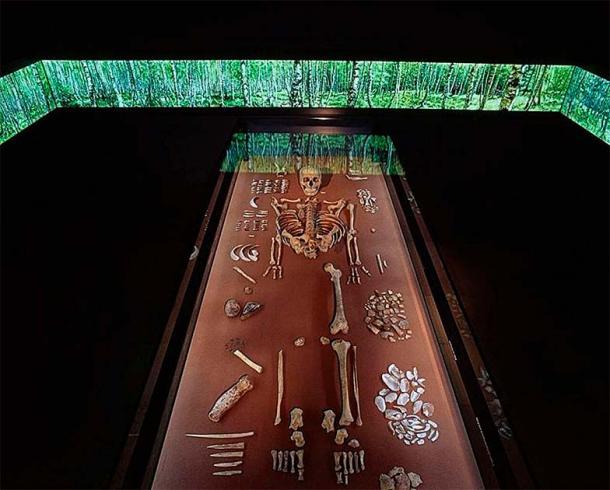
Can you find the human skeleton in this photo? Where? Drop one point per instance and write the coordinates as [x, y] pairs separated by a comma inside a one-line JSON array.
[[312, 226]]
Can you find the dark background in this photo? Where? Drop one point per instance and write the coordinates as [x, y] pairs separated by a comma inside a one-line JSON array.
[[100, 209]]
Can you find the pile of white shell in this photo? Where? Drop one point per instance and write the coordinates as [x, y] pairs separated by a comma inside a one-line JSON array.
[[400, 401]]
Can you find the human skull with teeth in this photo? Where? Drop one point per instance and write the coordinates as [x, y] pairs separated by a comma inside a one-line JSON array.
[[310, 179]]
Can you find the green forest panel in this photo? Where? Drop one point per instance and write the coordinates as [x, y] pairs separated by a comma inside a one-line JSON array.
[[28, 94], [587, 103], [25, 97], [352, 154], [311, 84]]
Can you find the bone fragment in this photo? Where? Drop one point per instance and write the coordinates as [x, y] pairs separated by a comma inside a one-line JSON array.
[[280, 460], [379, 264], [227, 473], [292, 465], [341, 348], [248, 361], [341, 436], [229, 464], [345, 478], [301, 474], [328, 423], [285, 467], [324, 340], [298, 438], [296, 418], [280, 387], [350, 457], [339, 323], [339, 477], [361, 454], [299, 342], [228, 454], [274, 457], [244, 275], [234, 435], [233, 445], [230, 397], [355, 386]]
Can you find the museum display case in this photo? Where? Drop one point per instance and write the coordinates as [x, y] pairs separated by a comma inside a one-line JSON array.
[[317, 353]]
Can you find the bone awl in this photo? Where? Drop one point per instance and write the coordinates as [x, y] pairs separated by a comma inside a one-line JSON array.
[[234, 435]]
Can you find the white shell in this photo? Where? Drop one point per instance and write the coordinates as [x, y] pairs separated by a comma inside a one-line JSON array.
[[428, 409], [414, 396], [390, 381], [383, 392], [417, 406], [403, 399], [391, 414], [380, 403], [391, 397], [394, 371], [410, 375], [404, 385]]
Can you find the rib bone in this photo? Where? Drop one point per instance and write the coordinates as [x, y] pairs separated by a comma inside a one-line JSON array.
[[339, 323], [341, 347]]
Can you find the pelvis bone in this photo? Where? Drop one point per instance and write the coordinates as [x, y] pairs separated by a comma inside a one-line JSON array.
[[309, 229]]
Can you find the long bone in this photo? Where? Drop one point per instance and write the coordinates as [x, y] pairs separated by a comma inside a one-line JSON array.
[[353, 254], [339, 323], [341, 348], [355, 385], [280, 387], [275, 258], [292, 461]]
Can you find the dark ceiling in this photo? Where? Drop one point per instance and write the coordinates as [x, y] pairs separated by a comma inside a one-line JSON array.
[[574, 33]]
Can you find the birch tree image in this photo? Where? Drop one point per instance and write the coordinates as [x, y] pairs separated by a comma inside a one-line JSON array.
[[352, 95], [296, 87], [245, 86], [511, 87]]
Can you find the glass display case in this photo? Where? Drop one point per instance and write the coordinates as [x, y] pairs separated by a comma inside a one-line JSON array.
[[317, 357]]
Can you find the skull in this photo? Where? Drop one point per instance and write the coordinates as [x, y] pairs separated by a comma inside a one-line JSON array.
[[310, 179]]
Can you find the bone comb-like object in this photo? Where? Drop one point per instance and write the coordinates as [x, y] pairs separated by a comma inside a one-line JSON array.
[[339, 323]]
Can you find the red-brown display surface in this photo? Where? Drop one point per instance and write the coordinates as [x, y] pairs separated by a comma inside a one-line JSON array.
[[301, 304]]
